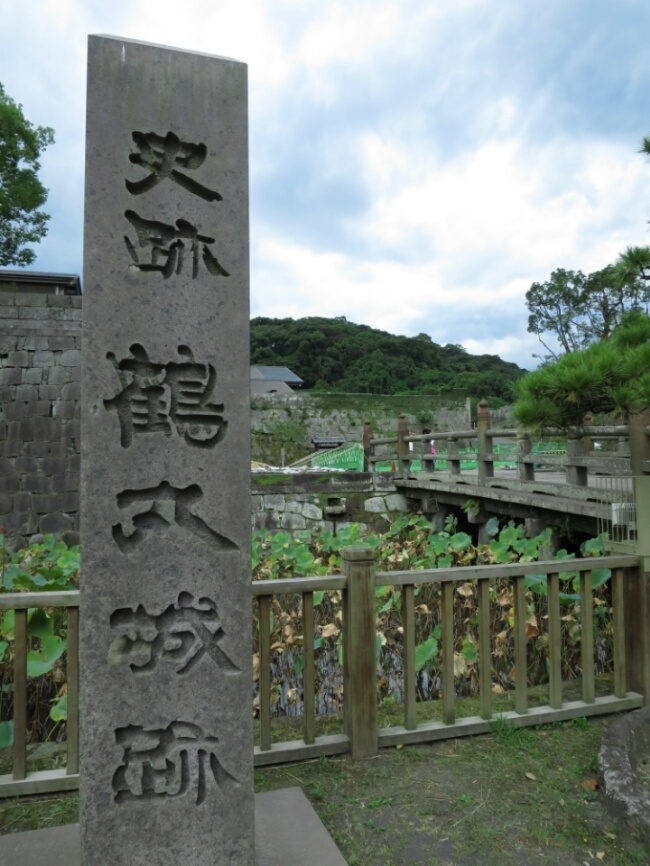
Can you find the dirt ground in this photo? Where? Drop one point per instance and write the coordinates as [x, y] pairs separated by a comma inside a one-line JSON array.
[[516, 797]]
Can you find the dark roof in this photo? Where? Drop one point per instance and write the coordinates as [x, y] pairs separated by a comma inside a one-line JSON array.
[[275, 374], [37, 282]]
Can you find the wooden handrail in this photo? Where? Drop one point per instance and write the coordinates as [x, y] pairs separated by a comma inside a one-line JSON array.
[[508, 570], [23, 600], [358, 585]]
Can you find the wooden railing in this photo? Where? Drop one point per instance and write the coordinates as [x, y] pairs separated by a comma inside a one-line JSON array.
[[361, 735], [20, 782], [631, 454]]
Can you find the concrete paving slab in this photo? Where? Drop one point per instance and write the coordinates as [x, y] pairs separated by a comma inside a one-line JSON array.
[[288, 832]]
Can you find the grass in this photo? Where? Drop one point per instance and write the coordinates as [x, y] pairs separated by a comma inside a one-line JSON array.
[[515, 797]]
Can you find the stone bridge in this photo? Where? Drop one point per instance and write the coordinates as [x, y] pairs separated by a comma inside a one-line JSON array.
[[593, 482]]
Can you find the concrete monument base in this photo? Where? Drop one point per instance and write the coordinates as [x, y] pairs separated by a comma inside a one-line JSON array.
[[288, 832]]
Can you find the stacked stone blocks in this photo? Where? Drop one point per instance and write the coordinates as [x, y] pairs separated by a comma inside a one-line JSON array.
[[40, 363]]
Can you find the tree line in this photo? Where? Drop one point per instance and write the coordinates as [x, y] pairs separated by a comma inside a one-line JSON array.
[[340, 356]]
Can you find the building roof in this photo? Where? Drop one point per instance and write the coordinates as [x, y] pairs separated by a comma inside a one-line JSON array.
[[37, 282], [275, 374], [269, 386]]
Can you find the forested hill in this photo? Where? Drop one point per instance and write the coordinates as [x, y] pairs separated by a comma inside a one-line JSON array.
[[337, 355]]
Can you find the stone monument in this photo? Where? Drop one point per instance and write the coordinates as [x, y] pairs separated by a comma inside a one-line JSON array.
[[167, 758]]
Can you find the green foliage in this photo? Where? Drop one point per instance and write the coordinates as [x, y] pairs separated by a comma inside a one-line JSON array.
[[336, 355], [48, 567], [579, 310], [610, 376], [410, 544], [21, 192]]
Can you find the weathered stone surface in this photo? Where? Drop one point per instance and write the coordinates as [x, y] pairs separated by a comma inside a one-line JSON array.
[[64, 409], [29, 300], [56, 376], [18, 359], [9, 484], [10, 376], [274, 501], [41, 484], [70, 358], [396, 502], [291, 520], [311, 511], [376, 505], [43, 359], [165, 495], [33, 376], [61, 343], [625, 746], [57, 522]]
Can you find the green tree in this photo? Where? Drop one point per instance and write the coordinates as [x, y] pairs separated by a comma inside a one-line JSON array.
[[336, 355], [21, 192], [635, 262], [579, 310], [607, 376]]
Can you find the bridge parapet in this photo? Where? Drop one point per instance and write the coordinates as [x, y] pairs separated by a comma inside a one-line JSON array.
[[583, 454], [586, 473]]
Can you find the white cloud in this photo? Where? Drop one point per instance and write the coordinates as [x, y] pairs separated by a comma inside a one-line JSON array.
[[451, 165], [348, 34]]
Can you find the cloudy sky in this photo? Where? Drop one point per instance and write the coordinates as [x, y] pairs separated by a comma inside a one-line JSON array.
[[415, 165]]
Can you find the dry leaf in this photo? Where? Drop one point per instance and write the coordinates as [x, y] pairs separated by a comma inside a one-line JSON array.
[[610, 835], [505, 598], [498, 689], [466, 589], [329, 630], [531, 776], [589, 784], [460, 664], [600, 855]]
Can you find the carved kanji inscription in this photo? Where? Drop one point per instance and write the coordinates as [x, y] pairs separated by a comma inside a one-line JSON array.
[[182, 634], [164, 763]]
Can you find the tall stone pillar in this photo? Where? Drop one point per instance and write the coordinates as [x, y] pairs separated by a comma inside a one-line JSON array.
[[166, 766]]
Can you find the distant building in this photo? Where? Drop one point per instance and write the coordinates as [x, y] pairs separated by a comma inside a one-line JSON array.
[[273, 380], [35, 283]]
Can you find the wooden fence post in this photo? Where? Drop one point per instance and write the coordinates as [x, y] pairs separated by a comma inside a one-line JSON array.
[[588, 442], [576, 475], [403, 455], [359, 659], [453, 457], [638, 420], [368, 448], [637, 588], [484, 442], [525, 471]]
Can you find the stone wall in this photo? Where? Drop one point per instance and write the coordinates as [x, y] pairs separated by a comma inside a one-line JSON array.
[[289, 421], [311, 502], [40, 357]]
